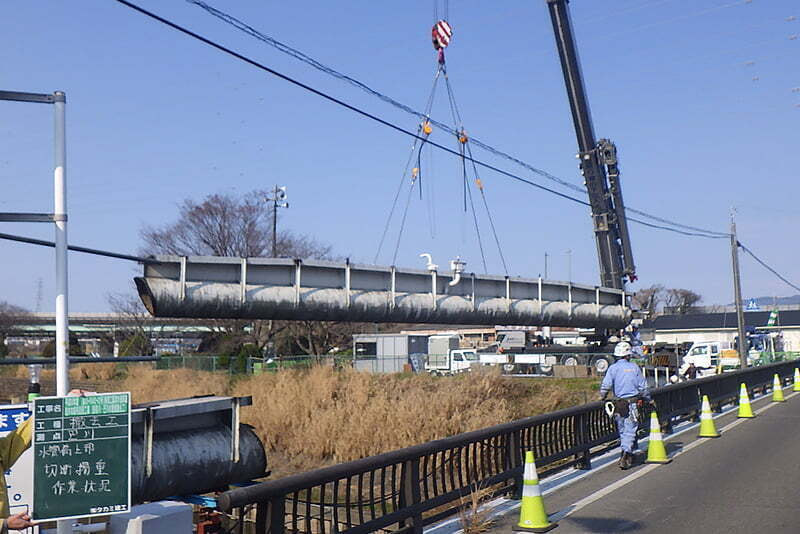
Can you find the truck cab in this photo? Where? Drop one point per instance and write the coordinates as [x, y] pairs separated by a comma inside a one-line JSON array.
[[708, 355], [454, 362]]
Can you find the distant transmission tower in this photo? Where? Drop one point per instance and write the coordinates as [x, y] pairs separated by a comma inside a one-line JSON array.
[[38, 295]]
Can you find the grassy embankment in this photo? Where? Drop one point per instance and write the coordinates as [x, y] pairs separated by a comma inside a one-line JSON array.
[[313, 418]]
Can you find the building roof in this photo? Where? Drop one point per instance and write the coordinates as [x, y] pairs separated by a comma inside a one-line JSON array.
[[693, 321]]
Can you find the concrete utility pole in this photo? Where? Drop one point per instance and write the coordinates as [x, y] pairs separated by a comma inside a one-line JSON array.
[[278, 200], [737, 292]]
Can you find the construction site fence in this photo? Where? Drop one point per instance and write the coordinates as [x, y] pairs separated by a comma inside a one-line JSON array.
[[407, 489]]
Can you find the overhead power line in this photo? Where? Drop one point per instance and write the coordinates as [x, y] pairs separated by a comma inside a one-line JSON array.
[[705, 233], [453, 129], [767, 267]]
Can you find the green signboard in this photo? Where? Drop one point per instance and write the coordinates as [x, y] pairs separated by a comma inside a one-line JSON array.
[[82, 456]]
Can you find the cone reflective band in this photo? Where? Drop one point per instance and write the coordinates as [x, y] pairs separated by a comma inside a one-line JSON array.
[[707, 428], [777, 389], [796, 380], [532, 517], [745, 411], [656, 453]]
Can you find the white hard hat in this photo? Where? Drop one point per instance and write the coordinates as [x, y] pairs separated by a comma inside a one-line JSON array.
[[622, 349]]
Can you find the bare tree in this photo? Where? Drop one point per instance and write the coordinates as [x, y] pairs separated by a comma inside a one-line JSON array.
[[10, 315], [648, 299], [681, 300], [227, 225], [132, 331]]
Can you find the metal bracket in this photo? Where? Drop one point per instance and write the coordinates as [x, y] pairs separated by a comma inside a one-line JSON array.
[[433, 288], [347, 282], [32, 217], [243, 281], [393, 288], [37, 98], [183, 277], [235, 430], [149, 428], [297, 272]]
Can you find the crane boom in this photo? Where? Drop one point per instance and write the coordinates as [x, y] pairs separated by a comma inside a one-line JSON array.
[[598, 163]]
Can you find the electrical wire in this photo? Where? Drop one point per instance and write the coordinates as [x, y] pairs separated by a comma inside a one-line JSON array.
[[286, 49], [767, 267], [209, 42]]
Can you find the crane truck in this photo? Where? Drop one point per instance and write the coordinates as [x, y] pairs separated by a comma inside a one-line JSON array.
[[600, 170]]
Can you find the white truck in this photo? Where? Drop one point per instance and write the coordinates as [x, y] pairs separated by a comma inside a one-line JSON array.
[[454, 362], [707, 355]]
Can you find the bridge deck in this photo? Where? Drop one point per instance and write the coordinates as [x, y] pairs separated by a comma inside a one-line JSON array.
[[745, 481]]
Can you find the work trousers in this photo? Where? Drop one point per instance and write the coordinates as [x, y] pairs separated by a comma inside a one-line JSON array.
[[627, 427]]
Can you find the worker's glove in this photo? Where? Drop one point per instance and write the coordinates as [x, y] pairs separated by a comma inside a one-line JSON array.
[[603, 396]]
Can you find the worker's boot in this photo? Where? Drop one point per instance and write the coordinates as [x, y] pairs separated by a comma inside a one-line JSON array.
[[623, 460]]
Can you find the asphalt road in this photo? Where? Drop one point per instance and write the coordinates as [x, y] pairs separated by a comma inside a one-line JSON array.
[[748, 480]]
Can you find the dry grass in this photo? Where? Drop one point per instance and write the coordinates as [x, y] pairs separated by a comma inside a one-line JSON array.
[[474, 518], [321, 416]]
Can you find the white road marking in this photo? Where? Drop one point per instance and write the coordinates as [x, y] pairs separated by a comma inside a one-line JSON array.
[[502, 505]]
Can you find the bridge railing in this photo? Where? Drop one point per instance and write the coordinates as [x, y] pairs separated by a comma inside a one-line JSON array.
[[406, 489]]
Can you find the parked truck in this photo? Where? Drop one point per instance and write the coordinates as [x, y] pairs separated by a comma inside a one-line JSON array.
[[529, 352], [454, 362]]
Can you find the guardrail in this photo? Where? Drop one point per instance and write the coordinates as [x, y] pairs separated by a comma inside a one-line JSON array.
[[406, 489]]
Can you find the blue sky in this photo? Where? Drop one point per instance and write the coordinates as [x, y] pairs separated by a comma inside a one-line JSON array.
[[696, 94]]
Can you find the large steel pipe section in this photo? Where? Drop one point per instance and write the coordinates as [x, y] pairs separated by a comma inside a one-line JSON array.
[[211, 287]]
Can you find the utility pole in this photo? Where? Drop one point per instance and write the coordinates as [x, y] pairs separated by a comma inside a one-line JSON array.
[[737, 292], [278, 200]]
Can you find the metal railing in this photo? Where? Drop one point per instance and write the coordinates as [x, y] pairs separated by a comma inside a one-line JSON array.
[[406, 489]]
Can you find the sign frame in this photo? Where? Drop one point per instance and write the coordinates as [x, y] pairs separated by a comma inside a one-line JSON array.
[[128, 505]]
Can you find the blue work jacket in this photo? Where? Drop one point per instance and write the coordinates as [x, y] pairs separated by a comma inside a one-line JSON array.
[[626, 380]]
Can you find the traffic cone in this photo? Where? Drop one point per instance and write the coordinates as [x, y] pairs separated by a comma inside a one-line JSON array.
[[707, 428], [656, 453], [777, 389], [744, 404], [796, 379], [532, 517]]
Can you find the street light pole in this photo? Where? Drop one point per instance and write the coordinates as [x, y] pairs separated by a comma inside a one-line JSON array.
[[278, 200]]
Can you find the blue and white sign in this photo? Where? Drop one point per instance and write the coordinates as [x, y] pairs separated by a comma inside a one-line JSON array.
[[19, 479], [752, 306]]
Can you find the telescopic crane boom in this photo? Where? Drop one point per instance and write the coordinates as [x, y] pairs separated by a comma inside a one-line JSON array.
[[598, 162]]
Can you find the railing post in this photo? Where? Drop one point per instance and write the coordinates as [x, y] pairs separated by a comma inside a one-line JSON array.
[[270, 516], [514, 461], [410, 494], [580, 429]]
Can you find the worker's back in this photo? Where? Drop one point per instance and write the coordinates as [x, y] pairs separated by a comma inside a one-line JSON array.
[[624, 379]]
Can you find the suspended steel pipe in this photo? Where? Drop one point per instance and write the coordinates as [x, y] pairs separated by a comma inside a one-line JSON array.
[[270, 288]]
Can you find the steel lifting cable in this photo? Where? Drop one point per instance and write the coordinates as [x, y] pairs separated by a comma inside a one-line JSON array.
[[417, 140], [465, 148]]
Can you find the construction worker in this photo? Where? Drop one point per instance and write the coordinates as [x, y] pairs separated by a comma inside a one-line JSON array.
[[11, 447], [691, 372], [629, 387]]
